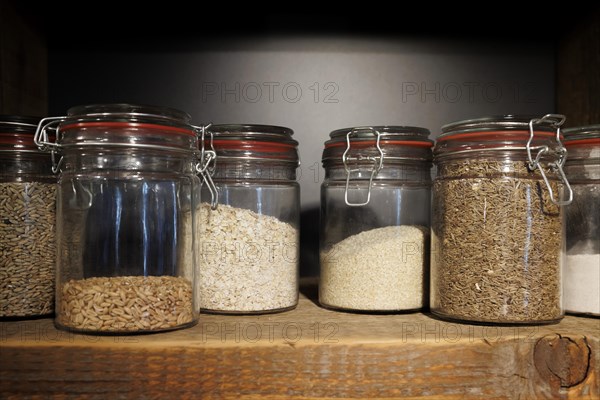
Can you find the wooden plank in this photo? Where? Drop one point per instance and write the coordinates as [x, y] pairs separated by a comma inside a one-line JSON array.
[[309, 352], [578, 71], [23, 65]]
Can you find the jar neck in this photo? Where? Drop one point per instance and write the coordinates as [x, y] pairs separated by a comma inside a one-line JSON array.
[[245, 170], [588, 154], [583, 164], [127, 161], [261, 143], [515, 166], [393, 154], [127, 134], [24, 166], [413, 172]]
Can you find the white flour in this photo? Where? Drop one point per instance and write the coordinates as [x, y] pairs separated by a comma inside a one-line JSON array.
[[582, 283]]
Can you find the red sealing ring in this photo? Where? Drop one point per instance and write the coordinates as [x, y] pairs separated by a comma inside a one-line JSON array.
[[371, 143], [16, 138], [258, 146], [489, 135], [11, 138]]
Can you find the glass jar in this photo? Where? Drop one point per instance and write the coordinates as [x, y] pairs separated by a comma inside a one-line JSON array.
[[27, 222], [582, 269], [375, 214], [249, 239], [497, 242], [127, 182]]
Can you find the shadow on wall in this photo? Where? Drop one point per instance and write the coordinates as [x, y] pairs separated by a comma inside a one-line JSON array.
[[309, 242]]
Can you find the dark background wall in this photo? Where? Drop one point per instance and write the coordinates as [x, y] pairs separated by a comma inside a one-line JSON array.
[[310, 72], [315, 84]]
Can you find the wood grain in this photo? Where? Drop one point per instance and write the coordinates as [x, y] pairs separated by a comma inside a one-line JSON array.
[[309, 352]]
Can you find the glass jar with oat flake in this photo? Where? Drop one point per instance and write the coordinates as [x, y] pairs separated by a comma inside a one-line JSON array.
[[375, 205], [125, 220], [248, 240], [497, 243], [582, 268], [27, 222]]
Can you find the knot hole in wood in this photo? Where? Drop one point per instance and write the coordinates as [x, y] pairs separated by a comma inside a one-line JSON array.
[[562, 361]]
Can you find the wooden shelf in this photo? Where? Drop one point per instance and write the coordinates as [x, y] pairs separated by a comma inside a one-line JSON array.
[[309, 352]]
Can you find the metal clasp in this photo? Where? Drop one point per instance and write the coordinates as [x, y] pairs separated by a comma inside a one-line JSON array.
[[207, 163], [557, 120], [43, 143], [377, 165]]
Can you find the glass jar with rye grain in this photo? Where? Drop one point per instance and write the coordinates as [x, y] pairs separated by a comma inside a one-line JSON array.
[[498, 238], [125, 221], [27, 222], [582, 268], [248, 233], [375, 217]]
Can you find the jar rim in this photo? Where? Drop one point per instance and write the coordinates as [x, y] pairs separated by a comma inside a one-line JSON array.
[[398, 143], [129, 112], [120, 125], [19, 123], [387, 131], [588, 133], [17, 132], [253, 132], [506, 122], [262, 143], [505, 133]]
